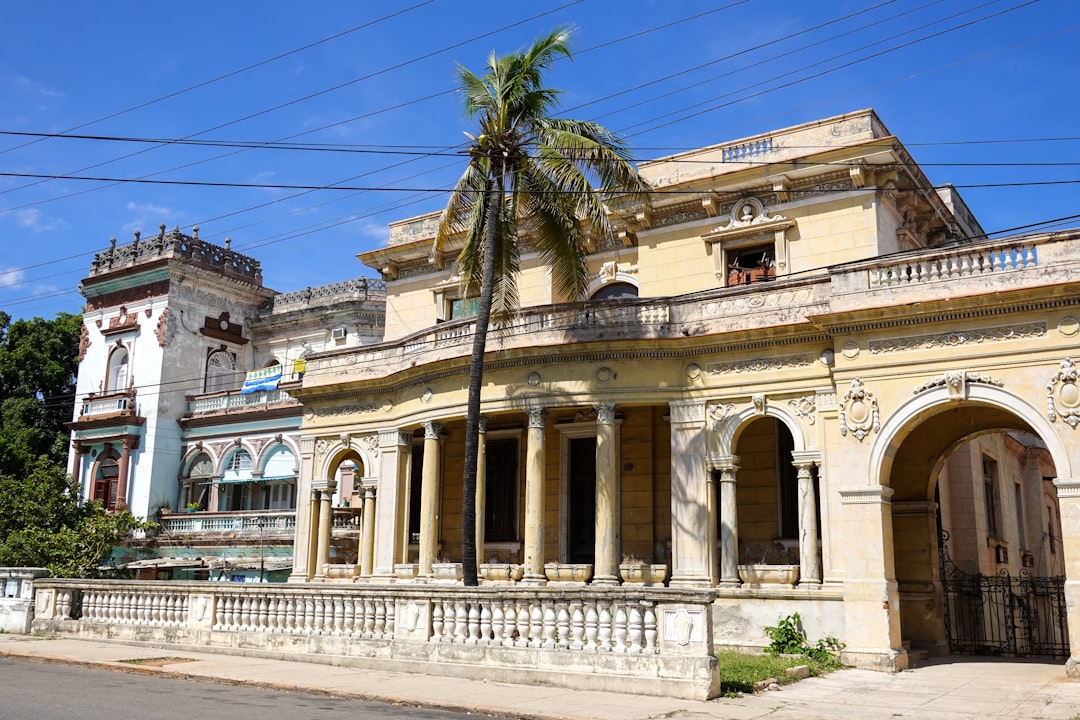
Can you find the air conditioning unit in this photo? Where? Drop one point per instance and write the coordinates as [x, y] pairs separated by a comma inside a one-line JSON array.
[[337, 334]]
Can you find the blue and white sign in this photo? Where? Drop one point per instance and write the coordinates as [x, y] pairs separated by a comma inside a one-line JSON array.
[[258, 380]]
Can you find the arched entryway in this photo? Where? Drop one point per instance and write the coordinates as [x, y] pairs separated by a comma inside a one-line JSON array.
[[971, 525]]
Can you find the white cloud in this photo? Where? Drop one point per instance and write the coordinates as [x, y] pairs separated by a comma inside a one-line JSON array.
[[10, 277], [33, 87], [147, 217], [33, 220]]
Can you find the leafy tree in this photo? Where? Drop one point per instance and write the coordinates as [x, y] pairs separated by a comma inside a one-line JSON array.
[[533, 175], [42, 521]]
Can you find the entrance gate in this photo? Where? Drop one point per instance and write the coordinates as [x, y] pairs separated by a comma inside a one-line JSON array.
[[1000, 614]]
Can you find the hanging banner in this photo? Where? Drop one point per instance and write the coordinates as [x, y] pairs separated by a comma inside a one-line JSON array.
[[258, 380]]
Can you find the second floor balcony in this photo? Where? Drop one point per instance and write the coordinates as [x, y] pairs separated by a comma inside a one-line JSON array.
[[249, 525], [233, 402]]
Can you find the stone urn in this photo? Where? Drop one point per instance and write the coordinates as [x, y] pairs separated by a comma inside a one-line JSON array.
[[769, 575], [501, 572], [406, 571], [577, 573], [647, 574], [447, 572]]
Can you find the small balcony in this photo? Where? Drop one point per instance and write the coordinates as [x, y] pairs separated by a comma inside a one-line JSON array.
[[98, 407], [233, 402], [251, 525]]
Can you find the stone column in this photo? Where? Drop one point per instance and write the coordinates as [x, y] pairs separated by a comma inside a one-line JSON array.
[[391, 523], [605, 571], [535, 462], [326, 521], [122, 480], [304, 537], [729, 521], [76, 466], [481, 489], [429, 497], [1068, 489], [313, 536], [871, 599], [809, 544], [367, 537], [691, 556]]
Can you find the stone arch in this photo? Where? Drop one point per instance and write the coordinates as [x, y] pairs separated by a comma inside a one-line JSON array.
[[230, 450], [606, 280], [338, 451], [935, 401], [728, 428], [285, 441]]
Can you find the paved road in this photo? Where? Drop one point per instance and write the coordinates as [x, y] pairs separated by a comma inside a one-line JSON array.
[[32, 690]]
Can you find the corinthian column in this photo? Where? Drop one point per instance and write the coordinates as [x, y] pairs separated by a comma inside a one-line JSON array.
[[429, 497], [534, 498], [606, 564], [729, 521], [367, 538], [809, 545]]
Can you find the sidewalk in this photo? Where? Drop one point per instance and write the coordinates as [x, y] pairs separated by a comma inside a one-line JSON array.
[[938, 691]]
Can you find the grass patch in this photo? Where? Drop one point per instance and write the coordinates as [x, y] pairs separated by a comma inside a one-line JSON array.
[[739, 671]]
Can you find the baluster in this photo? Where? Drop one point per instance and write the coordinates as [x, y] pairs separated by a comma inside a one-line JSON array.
[[170, 610], [498, 618], [592, 620], [390, 611], [635, 629], [536, 624], [603, 640], [449, 620], [650, 629], [577, 626], [509, 623], [182, 610], [350, 615], [935, 269], [965, 265], [549, 625], [245, 613], [479, 627], [339, 615], [289, 623], [522, 625], [369, 617], [324, 616], [87, 606], [381, 621], [999, 260], [309, 615], [270, 616], [620, 629], [1031, 259], [562, 627], [461, 622]]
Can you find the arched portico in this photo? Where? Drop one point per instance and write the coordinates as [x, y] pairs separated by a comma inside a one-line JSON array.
[[907, 461]]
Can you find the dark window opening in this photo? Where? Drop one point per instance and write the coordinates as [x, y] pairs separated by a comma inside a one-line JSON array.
[[615, 291], [501, 484], [751, 265]]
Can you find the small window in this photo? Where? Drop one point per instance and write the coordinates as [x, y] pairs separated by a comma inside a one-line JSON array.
[[106, 483], [118, 371], [462, 307], [501, 488], [750, 265], [990, 497], [239, 462], [221, 371]]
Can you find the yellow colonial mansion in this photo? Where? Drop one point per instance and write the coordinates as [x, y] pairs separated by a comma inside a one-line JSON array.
[[804, 380]]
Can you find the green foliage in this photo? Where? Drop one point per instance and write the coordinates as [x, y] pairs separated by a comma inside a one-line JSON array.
[[787, 637], [42, 522], [739, 671]]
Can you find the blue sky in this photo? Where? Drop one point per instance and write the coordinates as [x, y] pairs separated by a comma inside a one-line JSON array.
[[669, 75]]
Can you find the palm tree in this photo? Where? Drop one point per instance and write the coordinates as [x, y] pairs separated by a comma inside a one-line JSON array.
[[531, 176]]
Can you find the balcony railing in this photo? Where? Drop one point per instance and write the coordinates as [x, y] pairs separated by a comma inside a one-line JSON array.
[[111, 404], [233, 401], [250, 523]]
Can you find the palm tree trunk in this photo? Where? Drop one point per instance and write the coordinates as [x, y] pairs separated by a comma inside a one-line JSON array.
[[476, 381]]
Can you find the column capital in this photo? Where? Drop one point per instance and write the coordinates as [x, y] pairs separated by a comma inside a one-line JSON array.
[[481, 424], [537, 416], [433, 430], [605, 413], [1067, 487], [807, 458], [394, 438], [866, 495], [724, 463]]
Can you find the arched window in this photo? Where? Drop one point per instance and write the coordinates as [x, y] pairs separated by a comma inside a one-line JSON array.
[[221, 371], [195, 486], [117, 379], [235, 491], [278, 488], [616, 290], [106, 480]]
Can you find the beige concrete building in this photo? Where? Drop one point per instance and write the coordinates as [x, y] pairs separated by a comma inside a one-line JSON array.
[[789, 367]]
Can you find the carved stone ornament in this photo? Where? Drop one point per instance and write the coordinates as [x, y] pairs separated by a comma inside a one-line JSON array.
[[605, 375], [805, 408], [426, 395], [957, 382], [162, 327], [321, 447], [371, 443], [1063, 395], [605, 413], [588, 415], [749, 211], [693, 372], [716, 414], [84, 342], [533, 380], [759, 403], [858, 411]]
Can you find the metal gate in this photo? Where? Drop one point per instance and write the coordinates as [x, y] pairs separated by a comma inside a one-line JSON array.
[[1000, 614]]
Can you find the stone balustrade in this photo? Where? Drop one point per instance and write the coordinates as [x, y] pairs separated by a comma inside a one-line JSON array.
[[953, 264], [639, 640], [270, 522], [111, 404], [233, 400]]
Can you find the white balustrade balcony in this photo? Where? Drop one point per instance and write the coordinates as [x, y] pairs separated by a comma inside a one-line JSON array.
[[233, 401], [96, 406]]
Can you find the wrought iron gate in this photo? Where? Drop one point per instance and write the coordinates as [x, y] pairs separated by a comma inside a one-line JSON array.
[[1000, 614]]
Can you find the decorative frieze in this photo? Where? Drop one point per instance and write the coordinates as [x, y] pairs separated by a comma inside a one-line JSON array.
[[760, 300], [826, 400], [858, 411], [755, 365], [957, 381], [687, 412], [384, 406], [1063, 395], [957, 338], [389, 439]]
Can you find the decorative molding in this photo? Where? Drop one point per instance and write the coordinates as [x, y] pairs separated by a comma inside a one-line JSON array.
[[1067, 487], [758, 399], [357, 409], [958, 337], [865, 495], [370, 443], [433, 430], [758, 365], [611, 269], [687, 412], [162, 327], [533, 379], [537, 416], [426, 395], [1068, 326], [805, 408], [392, 439], [858, 411], [826, 400], [322, 446], [717, 413], [584, 416], [760, 300], [605, 375], [693, 372], [1063, 395], [84, 342], [683, 626], [957, 381], [850, 350], [122, 323], [605, 413]]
